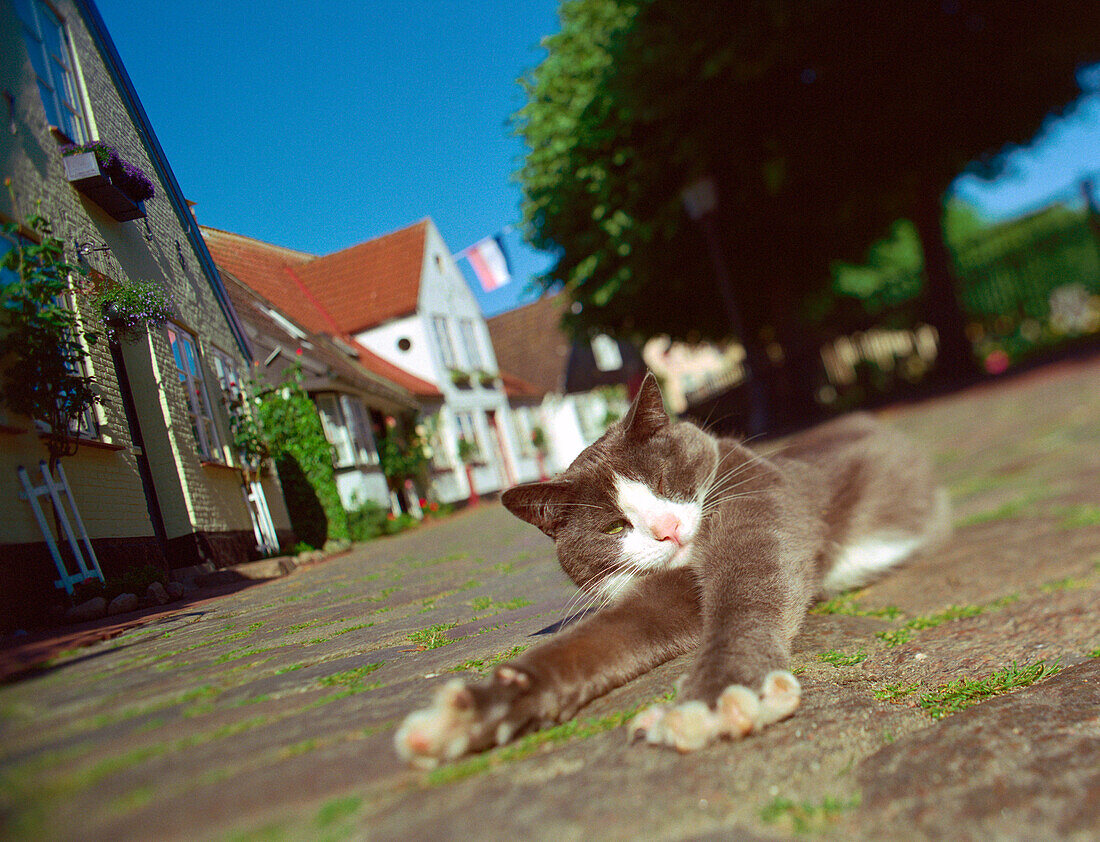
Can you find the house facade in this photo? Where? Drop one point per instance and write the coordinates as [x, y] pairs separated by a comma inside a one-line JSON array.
[[402, 302], [355, 403], [584, 384], [155, 479], [434, 329]]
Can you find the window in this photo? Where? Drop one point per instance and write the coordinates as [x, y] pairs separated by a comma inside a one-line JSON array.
[[443, 341], [229, 375], [356, 415], [52, 59], [524, 427], [186, 354], [607, 354], [336, 430], [467, 430], [469, 339]]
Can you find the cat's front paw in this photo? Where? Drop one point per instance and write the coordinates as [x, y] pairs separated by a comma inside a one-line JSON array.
[[465, 718], [739, 711]]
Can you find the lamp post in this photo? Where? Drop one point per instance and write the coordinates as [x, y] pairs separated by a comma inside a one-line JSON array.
[[700, 199]]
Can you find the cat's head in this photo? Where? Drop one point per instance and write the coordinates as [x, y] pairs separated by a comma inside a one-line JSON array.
[[631, 502]]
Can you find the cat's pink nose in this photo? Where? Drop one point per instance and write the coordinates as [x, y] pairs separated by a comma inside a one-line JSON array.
[[666, 527]]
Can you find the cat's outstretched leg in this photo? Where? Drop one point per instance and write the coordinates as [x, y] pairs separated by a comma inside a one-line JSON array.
[[754, 600], [657, 619]]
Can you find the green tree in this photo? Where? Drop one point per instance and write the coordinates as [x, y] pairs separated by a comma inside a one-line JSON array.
[[821, 123]]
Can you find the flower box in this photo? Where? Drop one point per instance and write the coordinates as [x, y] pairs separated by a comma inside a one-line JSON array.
[[97, 172]]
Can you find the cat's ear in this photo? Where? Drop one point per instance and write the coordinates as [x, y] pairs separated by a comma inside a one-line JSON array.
[[538, 503], [647, 414]]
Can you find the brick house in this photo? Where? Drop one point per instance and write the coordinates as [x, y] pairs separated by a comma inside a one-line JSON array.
[[155, 480], [356, 394], [402, 299], [583, 384]]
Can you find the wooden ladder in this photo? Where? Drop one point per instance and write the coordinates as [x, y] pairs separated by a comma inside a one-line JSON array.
[[89, 566]]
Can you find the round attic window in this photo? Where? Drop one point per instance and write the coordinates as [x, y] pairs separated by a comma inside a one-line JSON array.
[[404, 343]]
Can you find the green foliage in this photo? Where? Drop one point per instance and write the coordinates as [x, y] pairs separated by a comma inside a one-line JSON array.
[[468, 451], [965, 692], [371, 520], [128, 308], [841, 659], [794, 109], [806, 817], [40, 340], [303, 457], [403, 455]]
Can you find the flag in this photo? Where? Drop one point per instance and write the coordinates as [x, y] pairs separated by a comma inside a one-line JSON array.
[[489, 263]]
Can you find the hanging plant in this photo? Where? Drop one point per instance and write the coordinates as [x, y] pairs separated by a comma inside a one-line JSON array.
[[468, 452], [249, 440], [40, 339], [124, 175], [128, 308]]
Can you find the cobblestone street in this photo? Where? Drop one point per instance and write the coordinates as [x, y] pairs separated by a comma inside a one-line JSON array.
[[268, 713]]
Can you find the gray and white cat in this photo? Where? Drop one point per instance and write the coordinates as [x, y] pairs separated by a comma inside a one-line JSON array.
[[694, 542]]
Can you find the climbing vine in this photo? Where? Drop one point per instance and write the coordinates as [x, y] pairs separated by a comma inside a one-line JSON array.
[[286, 426], [40, 337]]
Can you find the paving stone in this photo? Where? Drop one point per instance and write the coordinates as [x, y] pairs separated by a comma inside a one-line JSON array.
[[265, 708]]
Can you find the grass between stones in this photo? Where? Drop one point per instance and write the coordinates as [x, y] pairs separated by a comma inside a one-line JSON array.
[[483, 665], [352, 679], [488, 606], [898, 636], [574, 729], [966, 692], [433, 637], [846, 604], [807, 817], [841, 659]]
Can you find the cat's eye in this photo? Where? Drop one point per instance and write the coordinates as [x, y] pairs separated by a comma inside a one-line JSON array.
[[615, 528]]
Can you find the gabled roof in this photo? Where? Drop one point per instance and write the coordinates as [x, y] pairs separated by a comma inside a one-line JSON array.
[[272, 272], [529, 342], [519, 389], [370, 283], [267, 269], [263, 317]]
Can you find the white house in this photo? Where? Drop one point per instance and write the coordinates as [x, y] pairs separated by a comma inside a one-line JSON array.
[[584, 383], [402, 299]]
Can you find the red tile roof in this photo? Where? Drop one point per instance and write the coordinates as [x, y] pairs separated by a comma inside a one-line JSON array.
[[370, 283], [372, 362], [264, 268], [280, 275], [530, 343], [515, 387]]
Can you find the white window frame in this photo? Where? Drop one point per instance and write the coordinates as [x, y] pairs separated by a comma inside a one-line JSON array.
[[228, 374], [468, 330], [359, 424], [189, 368], [441, 330], [466, 427], [336, 429], [55, 68]]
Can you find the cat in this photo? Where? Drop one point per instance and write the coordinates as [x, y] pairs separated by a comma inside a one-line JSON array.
[[694, 542]]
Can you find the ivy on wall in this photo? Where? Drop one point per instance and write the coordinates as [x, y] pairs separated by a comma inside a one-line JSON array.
[[296, 442], [40, 340]]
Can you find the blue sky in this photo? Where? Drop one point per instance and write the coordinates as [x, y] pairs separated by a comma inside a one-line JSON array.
[[318, 126]]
